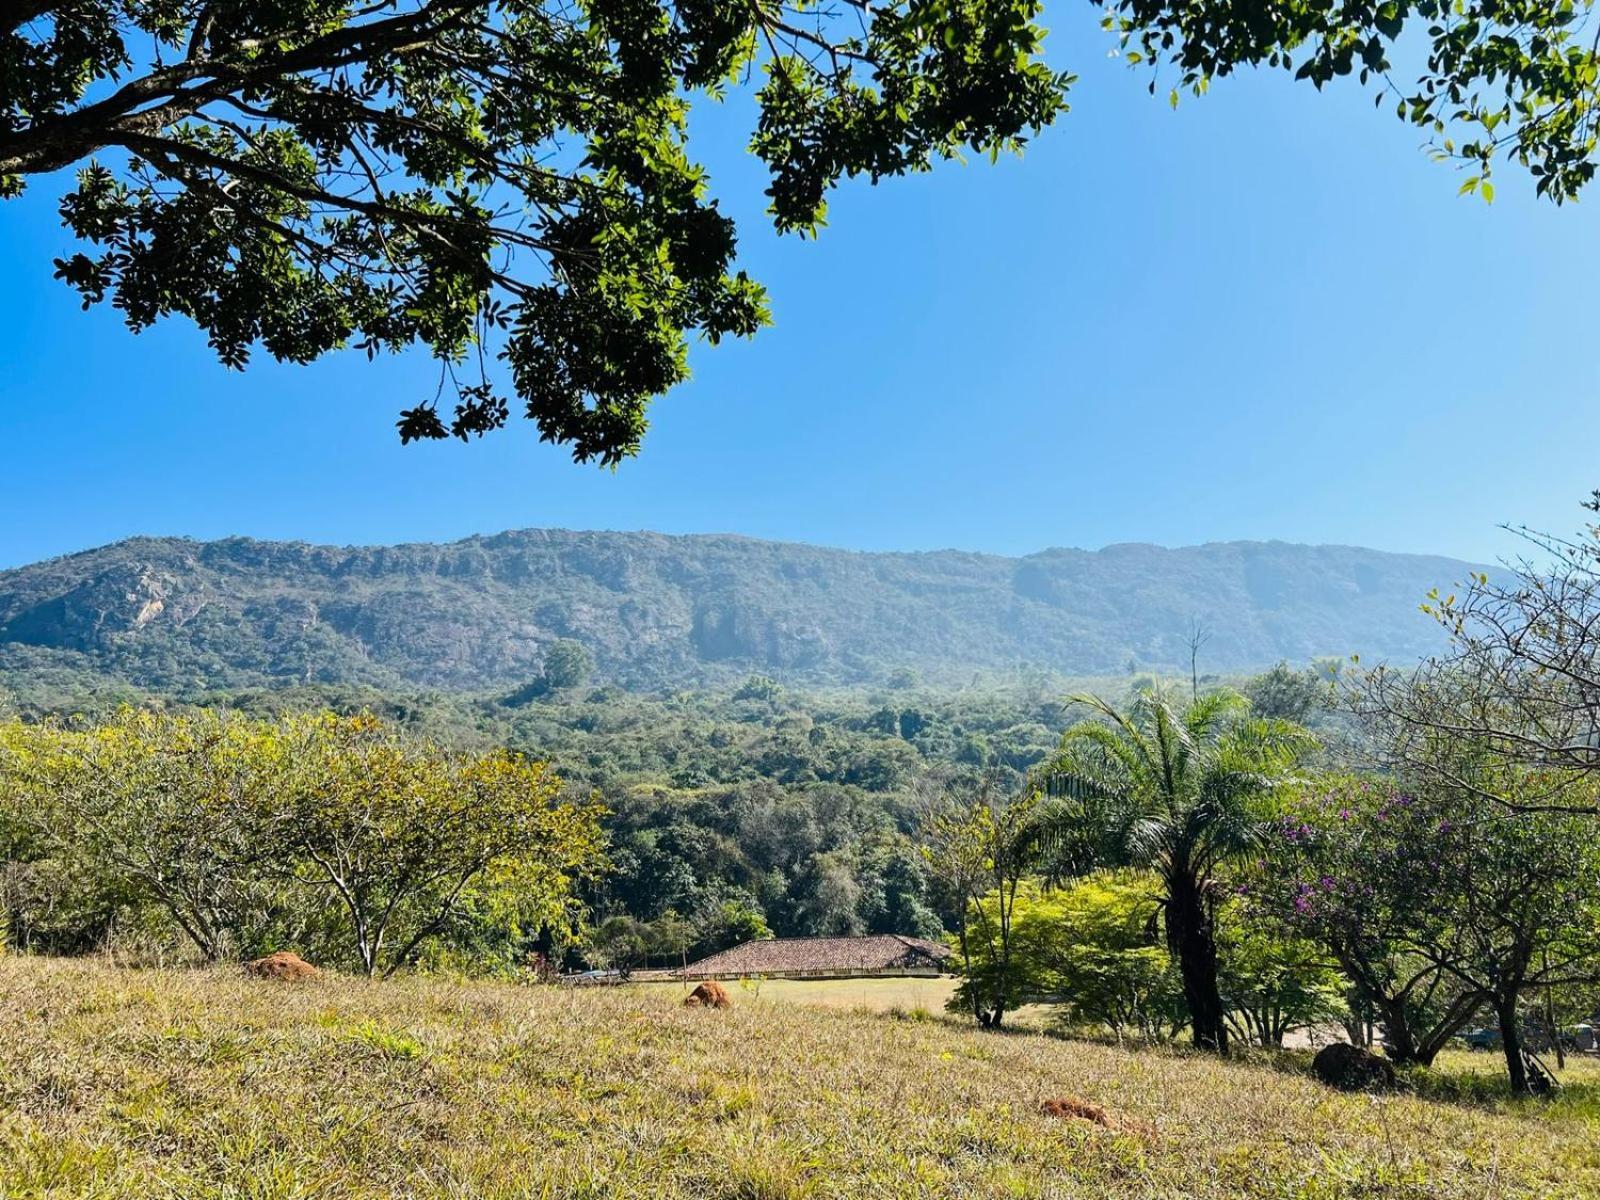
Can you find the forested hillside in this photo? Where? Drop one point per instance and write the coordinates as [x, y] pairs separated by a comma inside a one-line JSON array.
[[759, 808], [183, 617]]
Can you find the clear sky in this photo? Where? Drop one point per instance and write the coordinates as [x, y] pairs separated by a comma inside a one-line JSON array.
[[1264, 315]]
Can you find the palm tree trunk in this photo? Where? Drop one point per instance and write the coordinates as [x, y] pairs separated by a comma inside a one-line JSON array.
[[1192, 942]]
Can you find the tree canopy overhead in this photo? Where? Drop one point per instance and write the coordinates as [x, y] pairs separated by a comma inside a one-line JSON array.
[[478, 175], [502, 178]]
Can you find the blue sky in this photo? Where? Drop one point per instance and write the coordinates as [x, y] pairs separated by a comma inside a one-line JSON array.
[[1264, 315]]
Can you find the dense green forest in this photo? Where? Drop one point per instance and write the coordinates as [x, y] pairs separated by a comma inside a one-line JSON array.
[[747, 809]]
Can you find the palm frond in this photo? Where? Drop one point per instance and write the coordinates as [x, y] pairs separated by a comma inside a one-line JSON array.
[[1148, 840], [1077, 831], [1162, 784], [1209, 715]]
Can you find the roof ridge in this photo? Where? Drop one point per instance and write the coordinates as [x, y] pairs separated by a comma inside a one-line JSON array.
[[821, 952], [818, 937]]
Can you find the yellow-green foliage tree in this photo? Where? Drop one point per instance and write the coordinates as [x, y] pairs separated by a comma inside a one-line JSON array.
[[977, 849], [176, 811], [407, 838], [1094, 949], [338, 832], [1103, 950]]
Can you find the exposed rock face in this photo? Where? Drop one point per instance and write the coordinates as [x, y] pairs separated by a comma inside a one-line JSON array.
[[284, 965], [709, 994], [1353, 1069]]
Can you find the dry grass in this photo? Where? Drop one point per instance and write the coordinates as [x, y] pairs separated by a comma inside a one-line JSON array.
[[142, 1083], [907, 993]]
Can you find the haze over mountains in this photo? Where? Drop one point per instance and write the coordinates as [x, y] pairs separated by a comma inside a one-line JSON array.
[[171, 614]]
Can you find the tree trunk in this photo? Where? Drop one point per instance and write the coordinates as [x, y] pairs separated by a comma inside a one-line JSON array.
[[1550, 1019], [1355, 1023], [1505, 1008], [966, 969], [1455, 1018], [1193, 943], [1398, 1041]]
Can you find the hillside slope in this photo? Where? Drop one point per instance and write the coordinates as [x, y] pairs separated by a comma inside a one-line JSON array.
[[170, 613], [122, 1084]]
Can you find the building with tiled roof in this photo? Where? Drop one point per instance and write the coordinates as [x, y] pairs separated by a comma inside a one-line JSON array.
[[821, 957]]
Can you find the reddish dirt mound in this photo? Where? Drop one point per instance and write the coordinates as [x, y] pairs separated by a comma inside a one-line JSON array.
[[709, 994], [1071, 1106], [282, 965]]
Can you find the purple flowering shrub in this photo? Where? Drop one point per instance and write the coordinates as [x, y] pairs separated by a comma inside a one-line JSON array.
[[1346, 866]]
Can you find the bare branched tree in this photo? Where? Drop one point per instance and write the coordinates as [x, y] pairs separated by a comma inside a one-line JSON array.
[[1199, 635], [1521, 679]]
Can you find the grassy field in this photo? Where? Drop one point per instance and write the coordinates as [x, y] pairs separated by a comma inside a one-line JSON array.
[[204, 1084], [907, 994]]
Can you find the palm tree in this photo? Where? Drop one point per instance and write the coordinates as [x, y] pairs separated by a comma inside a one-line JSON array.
[[1179, 792]]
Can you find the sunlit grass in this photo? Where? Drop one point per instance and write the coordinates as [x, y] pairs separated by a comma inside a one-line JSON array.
[[906, 993], [149, 1083]]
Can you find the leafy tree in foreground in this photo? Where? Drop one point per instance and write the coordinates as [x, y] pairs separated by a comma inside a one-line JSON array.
[[1441, 902], [403, 836], [1516, 908], [501, 177], [1271, 983], [174, 811], [1513, 78], [1178, 791], [980, 852]]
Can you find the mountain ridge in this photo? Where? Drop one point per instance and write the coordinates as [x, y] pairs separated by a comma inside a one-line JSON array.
[[656, 609], [727, 535]]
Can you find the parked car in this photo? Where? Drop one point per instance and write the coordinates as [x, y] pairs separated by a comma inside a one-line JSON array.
[[1574, 1037]]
